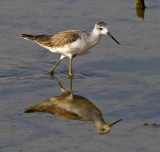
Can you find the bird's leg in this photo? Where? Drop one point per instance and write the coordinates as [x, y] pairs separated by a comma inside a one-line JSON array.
[[70, 82], [51, 71], [70, 68]]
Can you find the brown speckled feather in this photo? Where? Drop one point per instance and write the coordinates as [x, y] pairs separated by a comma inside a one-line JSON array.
[[55, 40], [64, 113], [52, 109]]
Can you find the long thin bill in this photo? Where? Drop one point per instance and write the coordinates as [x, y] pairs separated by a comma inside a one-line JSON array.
[[115, 123], [112, 37]]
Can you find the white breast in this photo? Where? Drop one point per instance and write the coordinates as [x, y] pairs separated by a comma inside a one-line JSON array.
[[78, 47]]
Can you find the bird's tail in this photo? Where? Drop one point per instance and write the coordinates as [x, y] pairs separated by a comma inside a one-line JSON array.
[[36, 38], [29, 37], [34, 108], [30, 109]]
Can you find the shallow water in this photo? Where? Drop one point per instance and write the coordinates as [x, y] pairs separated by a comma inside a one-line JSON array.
[[122, 81]]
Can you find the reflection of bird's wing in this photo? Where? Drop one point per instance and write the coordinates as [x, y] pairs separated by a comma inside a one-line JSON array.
[[58, 111], [68, 106], [55, 40], [53, 109]]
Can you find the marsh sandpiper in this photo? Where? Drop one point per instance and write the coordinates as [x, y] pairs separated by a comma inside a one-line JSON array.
[[71, 43]]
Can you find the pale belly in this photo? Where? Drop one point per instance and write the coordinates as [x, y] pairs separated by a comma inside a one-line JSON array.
[[73, 49]]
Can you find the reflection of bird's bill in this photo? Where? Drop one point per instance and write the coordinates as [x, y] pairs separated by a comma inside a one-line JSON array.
[[112, 37], [115, 123]]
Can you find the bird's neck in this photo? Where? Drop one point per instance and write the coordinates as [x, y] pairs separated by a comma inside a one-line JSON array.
[[99, 123], [96, 33], [95, 36]]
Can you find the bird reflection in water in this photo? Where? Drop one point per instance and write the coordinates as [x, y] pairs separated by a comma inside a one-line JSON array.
[[140, 12], [73, 107], [140, 8]]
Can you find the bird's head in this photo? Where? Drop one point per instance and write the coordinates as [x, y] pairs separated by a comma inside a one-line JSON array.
[[105, 128], [102, 28]]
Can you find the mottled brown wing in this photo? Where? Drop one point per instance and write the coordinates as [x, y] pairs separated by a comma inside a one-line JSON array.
[[64, 113], [54, 40], [61, 38], [52, 109]]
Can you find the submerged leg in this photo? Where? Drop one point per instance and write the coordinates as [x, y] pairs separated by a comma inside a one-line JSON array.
[[70, 68], [51, 71]]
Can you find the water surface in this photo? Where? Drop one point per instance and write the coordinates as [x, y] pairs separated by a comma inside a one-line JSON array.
[[122, 81]]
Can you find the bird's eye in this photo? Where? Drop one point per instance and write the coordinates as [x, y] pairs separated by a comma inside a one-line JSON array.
[[100, 28], [102, 129]]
